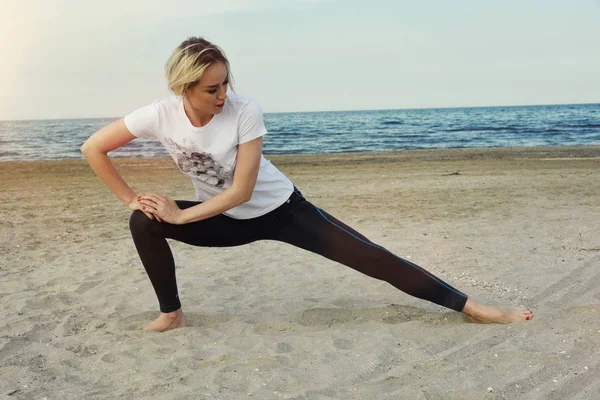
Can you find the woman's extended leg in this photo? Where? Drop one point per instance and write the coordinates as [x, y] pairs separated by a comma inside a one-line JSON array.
[[150, 238], [313, 229]]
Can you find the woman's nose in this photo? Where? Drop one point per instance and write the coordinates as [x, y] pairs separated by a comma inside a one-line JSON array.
[[222, 93]]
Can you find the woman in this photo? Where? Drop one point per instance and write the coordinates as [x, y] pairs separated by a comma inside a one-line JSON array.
[[215, 137]]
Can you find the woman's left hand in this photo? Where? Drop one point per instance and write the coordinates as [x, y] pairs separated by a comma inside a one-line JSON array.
[[163, 207]]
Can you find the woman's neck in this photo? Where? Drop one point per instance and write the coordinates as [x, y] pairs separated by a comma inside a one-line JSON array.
[[197, 118]]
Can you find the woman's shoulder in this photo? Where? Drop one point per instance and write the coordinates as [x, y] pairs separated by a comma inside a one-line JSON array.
[[239, 102], [167, 103], [243, 107]]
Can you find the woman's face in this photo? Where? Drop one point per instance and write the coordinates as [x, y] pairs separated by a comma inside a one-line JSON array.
[[209, 94]]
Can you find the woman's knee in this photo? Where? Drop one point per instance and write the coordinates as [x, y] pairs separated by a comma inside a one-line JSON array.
[[139, 222]]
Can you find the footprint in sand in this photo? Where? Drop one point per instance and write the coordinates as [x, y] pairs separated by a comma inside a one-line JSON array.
[[343, 344], [283, 347], [392, 314]]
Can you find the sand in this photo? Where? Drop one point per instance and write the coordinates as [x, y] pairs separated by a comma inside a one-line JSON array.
[[269, 321]]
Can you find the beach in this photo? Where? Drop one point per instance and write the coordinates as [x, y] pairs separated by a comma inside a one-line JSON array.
[[507, 226]]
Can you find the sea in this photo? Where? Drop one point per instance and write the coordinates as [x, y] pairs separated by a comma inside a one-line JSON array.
[[340, 131]]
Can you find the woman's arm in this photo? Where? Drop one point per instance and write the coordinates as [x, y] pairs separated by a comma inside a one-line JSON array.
[[244, 180], [95, 151]]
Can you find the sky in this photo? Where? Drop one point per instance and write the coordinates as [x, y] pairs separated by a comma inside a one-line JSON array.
[[88, 59]]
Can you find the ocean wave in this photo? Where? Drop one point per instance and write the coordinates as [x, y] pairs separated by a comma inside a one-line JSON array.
[[392, 122], [582, 126], [9, 154], [483, 129]]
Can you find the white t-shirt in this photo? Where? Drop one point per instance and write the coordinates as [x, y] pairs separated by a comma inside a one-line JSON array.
[[208, 154]]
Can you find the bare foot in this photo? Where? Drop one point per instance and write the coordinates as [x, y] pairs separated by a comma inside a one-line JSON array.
[[167, 321], [491, 315]]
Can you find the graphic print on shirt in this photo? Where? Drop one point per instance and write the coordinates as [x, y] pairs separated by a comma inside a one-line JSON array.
[[198, 164]]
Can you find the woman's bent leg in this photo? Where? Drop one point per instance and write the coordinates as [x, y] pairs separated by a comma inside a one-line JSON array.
[[150, 238], [313, 229], [156, 256]]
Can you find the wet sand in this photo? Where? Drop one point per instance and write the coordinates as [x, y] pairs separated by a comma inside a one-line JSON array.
[[269, 321]]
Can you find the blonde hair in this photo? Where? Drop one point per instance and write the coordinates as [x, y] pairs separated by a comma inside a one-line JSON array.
[[188, 62]]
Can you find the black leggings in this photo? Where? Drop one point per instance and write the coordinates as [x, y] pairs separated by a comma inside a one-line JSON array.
[[297, 222]]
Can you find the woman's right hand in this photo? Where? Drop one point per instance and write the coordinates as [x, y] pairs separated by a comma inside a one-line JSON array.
[[135, 205]]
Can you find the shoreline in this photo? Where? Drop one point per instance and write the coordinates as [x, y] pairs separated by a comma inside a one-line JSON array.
[[446, 154]]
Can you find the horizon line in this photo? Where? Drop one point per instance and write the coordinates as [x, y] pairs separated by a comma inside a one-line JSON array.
[[333, 111]]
